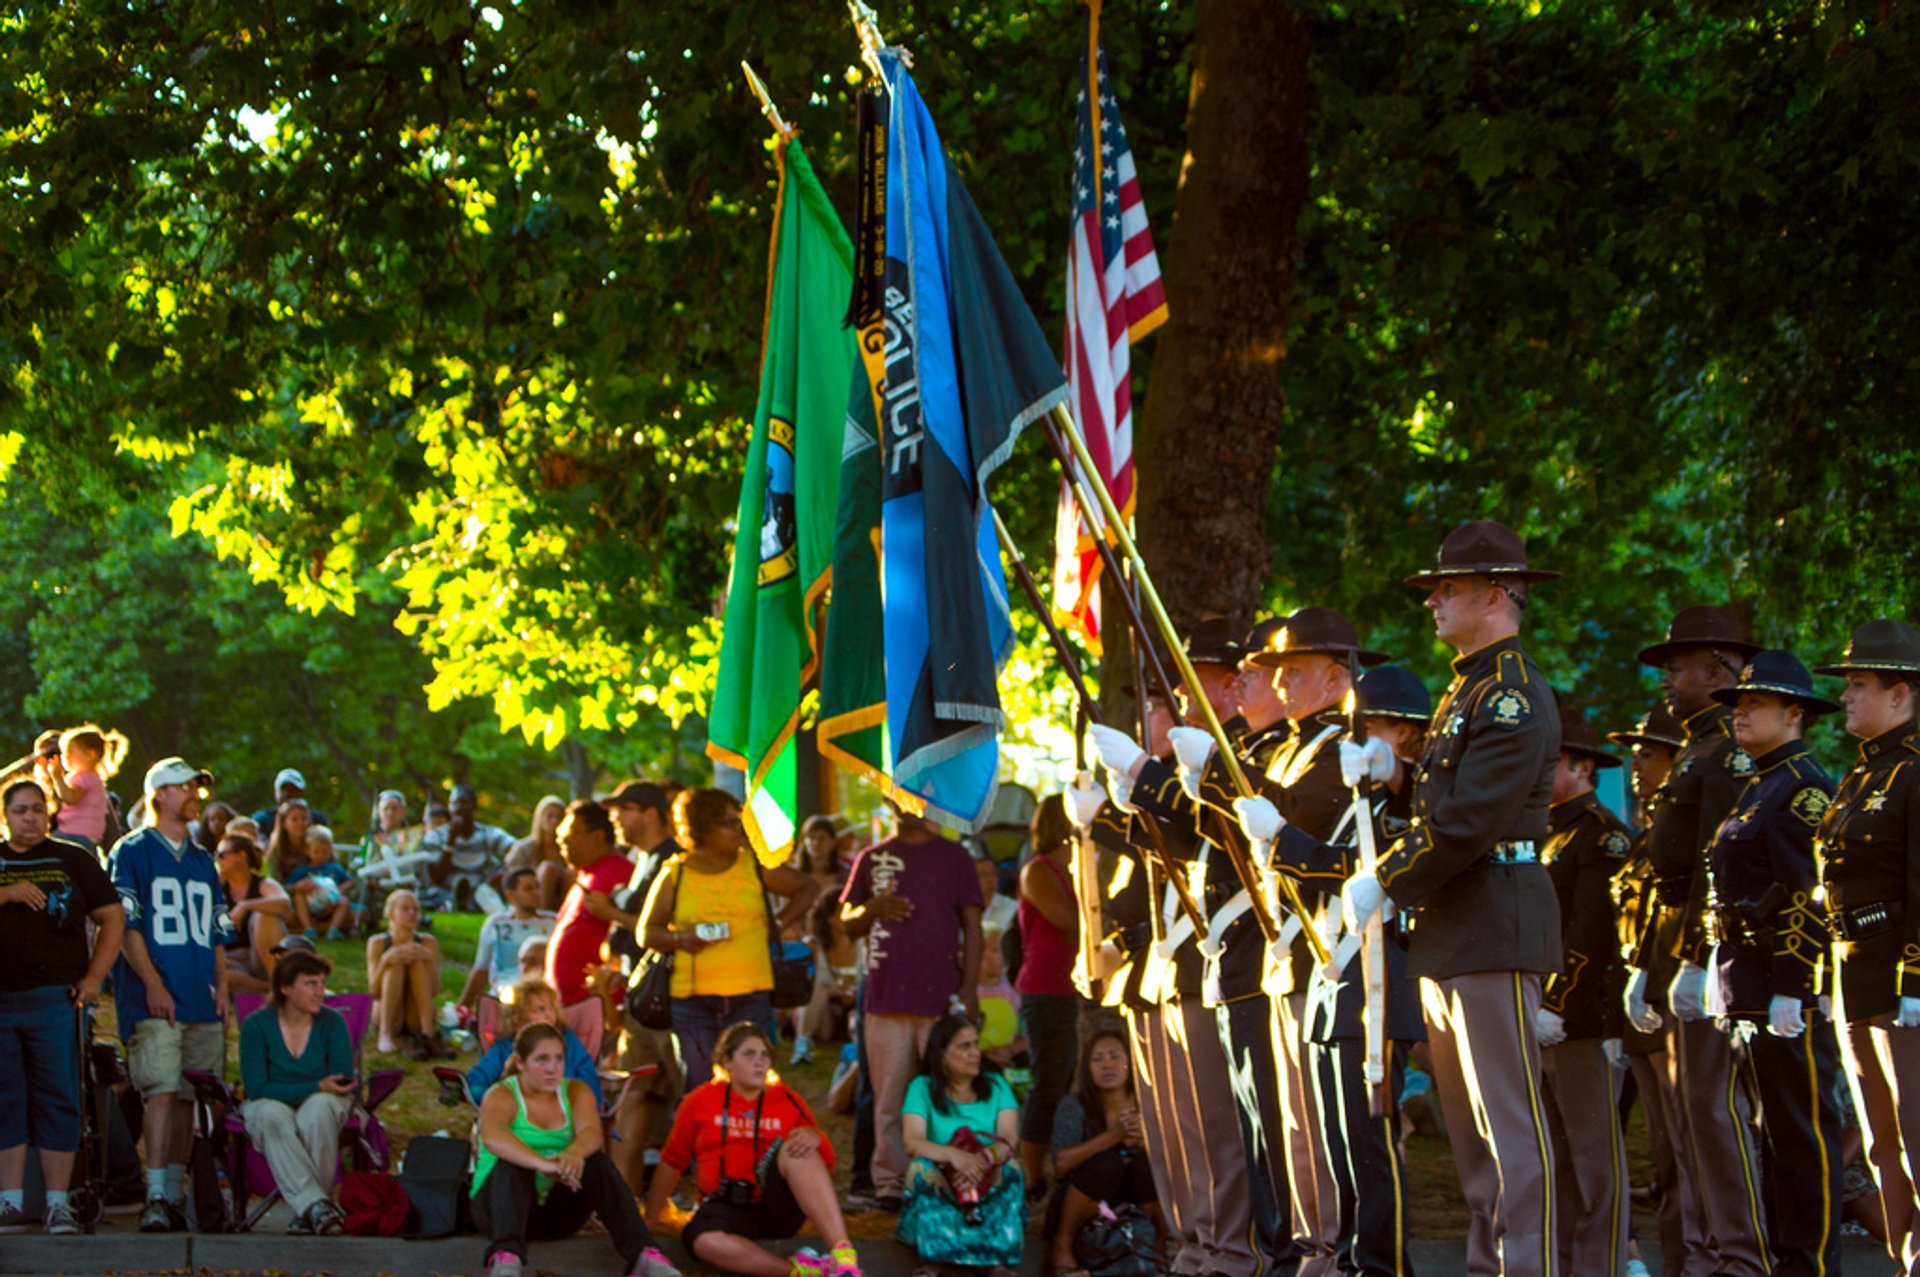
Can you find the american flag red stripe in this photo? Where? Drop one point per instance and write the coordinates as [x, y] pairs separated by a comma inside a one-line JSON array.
[[1114, 298]]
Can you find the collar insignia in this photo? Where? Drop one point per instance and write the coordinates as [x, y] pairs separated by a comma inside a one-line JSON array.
[[1740, 763]]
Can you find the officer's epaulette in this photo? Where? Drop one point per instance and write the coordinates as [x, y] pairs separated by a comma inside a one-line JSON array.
[[1511, 667], [1911, 744]]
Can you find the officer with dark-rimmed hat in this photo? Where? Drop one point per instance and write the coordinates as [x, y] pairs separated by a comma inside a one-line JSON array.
[[1486, 923], [1868, 846], [1578, 1009], [1209, 1191], [1771, 934], [1703, 653], [1656, 739]]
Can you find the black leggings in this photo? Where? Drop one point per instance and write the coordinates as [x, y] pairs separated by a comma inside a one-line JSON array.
[[505, 1209]]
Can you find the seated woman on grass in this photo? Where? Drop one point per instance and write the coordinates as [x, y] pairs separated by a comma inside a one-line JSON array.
[[1098, 1155], [543, 1166], [403, 974], [966, 1196], [533, 1002], [761, 1163]]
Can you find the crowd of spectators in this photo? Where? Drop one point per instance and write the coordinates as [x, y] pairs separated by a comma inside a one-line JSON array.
[[941, 981]]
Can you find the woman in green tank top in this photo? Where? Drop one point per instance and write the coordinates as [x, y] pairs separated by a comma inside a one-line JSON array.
[[543, 1166]]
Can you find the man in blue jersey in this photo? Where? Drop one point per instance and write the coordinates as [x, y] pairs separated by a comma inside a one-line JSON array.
[[170, 988]]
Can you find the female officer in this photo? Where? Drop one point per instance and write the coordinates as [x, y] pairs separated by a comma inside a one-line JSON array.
[[1869, 845], [1772, 939]]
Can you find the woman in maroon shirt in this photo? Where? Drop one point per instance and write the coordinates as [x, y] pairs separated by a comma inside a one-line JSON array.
[[1049, 939]]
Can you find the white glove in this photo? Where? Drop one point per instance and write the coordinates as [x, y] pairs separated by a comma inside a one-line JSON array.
[[1361, 898], [1192, 747], [1783, 1017], [1908, 1016], [1373, 760], [1688, 993], [1260, 820], [1549, 1028], [1639, 1014], [1084, 801], [1118, 752], [1614, 1050]]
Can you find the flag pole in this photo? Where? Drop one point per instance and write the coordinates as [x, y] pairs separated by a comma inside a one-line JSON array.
[[866, 24], [1090, 709], [767, 108], [1064, 424]]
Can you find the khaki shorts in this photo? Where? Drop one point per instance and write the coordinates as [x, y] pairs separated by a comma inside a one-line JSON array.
[[640, 1047], [161, 1053]]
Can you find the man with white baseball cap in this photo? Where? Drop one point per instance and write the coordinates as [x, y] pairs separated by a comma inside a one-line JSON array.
[[289, 783]]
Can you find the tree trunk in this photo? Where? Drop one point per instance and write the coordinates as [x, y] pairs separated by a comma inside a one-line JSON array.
[[579, 768], [1212, 418]]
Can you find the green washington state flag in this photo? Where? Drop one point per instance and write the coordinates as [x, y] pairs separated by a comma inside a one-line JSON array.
[[789, 499]]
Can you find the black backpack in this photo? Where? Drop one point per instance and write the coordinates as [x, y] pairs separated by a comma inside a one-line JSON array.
[[436, 1171], [207, 1210]]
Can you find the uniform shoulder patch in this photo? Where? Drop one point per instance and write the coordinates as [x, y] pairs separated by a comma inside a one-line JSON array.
[[1509, 707], [1810, 804], [1616, 844], [1739, 763]]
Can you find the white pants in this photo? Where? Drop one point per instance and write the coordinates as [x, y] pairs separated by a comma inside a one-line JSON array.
[[302, 1146]]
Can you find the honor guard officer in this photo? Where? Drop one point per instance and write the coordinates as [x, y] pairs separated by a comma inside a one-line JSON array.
[[1772, 936], [1703, 653], [1361, 1145], [1486, 926], [1869, 851], [1655, 741], [1576, 1024], [1207, 1169]]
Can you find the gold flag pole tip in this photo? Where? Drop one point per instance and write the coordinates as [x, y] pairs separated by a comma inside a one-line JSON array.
[[767, 108]]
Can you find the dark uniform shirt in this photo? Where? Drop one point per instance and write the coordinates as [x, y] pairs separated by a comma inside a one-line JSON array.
[[1480, 796], [1770, 928], [1157, 790], [1869, 853], [1126, 902], [1708, 774], [1587, 847]]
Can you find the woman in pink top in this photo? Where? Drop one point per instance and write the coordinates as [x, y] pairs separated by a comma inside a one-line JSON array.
[[1049, 938]]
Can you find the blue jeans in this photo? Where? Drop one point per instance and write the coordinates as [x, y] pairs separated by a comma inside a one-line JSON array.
[[39, 1073], [698, 1021]]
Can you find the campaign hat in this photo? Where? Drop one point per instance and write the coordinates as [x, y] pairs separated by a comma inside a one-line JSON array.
[[1576, 737], [1700, 626], [1887, 645], [1657, 726], [1481, 548], [1316, 630], [1389, 691], [1214, 641], [1778, 673]]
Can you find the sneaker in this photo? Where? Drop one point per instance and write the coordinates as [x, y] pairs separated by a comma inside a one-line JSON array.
[[60, 1221], [653, 1262], [843, 1261], [328, 1219], [1637, 1268], [503, 1263], [802, 1053], [156, 1216], [300, 1224], [13, 1219], [807, 1262]]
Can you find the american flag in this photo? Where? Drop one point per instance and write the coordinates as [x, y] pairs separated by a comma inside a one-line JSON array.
[[1114, 298]]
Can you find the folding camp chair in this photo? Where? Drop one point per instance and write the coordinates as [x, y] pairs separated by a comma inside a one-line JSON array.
[[363, 1138]]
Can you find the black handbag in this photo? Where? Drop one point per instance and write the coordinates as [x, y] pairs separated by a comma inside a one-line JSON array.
[[793, 964], [650, 987]]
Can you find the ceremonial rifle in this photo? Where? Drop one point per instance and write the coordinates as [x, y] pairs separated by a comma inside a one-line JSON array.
[[1373, 942]]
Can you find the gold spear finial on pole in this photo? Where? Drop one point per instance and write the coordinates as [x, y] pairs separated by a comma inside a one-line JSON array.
[[767, 108], [866, 24]]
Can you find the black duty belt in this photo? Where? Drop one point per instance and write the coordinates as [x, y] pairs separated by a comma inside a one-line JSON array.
[[1135, 938], [1863, 922], [1672, 891], [1519, 851]]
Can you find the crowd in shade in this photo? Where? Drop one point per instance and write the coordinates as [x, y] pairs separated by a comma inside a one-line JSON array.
[[1078, 1045]]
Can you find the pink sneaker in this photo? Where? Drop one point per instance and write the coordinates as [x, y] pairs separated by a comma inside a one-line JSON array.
[[842, 1261], [653, 1263]]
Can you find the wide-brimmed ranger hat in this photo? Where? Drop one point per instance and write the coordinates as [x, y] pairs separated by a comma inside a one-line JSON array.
[[1314, 631], [1887, 645], [1393, 692], [1657, 726], [1482, 548], [1701, 626], [1577, 737], [1777, 673], [1215, 641]]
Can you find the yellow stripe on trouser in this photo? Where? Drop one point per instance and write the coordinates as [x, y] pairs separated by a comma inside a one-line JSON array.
[[1539, 1127], [1395, 1170], [1746, 1165], [1813, 1112], [1617, 1227]]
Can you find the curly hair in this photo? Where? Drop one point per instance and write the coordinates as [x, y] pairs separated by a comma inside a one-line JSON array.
[[697, 813]]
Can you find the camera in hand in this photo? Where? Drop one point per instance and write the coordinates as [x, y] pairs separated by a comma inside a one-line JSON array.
[[711, 931], [737, 1192]]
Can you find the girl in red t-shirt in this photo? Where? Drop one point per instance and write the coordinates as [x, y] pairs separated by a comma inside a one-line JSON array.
[[762, 1165]]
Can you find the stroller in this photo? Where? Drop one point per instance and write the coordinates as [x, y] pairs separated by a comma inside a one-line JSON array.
[[102, 1067]]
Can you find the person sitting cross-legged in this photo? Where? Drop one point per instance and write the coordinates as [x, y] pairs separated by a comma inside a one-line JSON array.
[[966, 1195], [1098, 1152], [761, 1163], [296, 1062], [543, 1167]]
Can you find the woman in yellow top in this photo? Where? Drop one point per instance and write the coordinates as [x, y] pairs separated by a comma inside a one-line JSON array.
[[708, 908]]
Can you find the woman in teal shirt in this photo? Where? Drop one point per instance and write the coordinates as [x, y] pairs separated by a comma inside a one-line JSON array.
[[296, 1063], [966, 1201], [543, 1167]]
